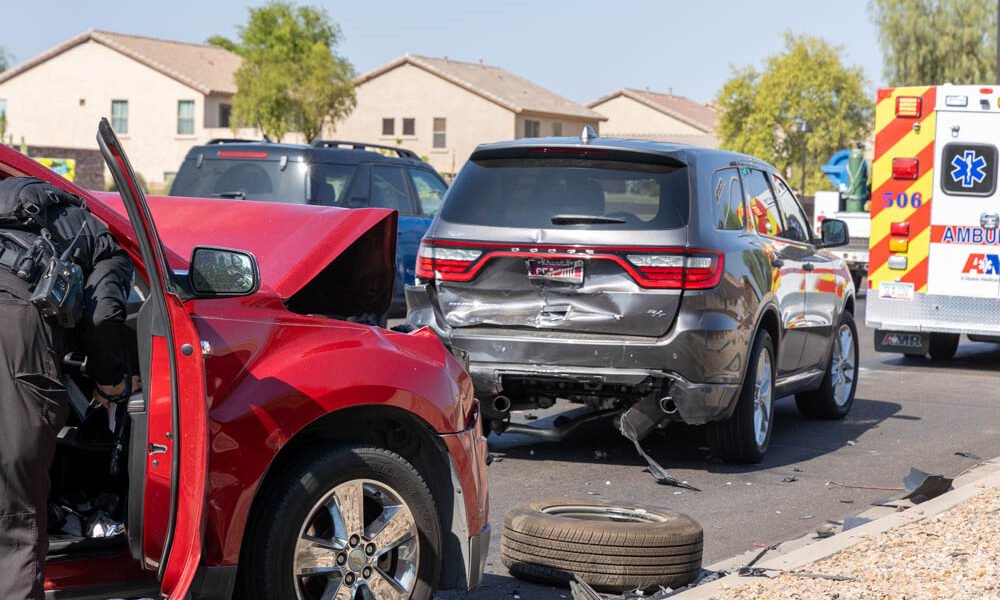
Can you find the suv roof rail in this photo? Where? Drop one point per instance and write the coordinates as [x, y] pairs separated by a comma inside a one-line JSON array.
[[400, 152], [230, 141]]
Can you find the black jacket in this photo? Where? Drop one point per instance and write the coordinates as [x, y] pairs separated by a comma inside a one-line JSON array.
[[107, 270]]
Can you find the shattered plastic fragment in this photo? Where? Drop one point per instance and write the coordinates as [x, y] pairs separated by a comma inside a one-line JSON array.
[[971, 455], [923, 486]]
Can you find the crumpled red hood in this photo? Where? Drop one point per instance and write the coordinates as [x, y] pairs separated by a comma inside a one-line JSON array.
[[292, 243]]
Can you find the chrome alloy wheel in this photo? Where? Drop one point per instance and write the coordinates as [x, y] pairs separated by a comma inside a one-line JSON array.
[[360, 539], [842, 367], [763, 398]]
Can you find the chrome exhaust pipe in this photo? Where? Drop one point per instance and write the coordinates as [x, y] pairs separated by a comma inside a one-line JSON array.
[[501, 404], [667, 405]]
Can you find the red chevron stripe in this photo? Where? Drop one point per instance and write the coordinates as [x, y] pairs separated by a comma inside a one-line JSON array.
[[920, 220], [917, 275], [896, 129], [926, 160]]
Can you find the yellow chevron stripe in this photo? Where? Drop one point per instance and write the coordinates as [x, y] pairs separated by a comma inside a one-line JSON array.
[[919, 250]]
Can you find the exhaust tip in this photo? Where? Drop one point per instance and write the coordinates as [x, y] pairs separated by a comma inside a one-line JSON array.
[[501, 404], [668, 405]]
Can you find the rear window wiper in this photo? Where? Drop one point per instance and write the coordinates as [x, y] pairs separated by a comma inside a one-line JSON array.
[[584, 219], [236, 194]]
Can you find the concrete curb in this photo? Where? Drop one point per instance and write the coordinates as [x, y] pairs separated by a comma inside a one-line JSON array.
[[796, 554]]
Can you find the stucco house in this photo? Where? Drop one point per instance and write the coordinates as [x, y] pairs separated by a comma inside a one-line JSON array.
[[161, 96], [656, 116], [442, 108]]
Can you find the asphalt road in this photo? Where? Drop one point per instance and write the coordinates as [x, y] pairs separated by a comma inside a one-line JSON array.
[[907, 413]]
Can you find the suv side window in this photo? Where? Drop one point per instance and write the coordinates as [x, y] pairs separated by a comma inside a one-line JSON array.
[[429, 189], [727, 192], [329, 183], [764, 213], [797, 228], [389, 189]]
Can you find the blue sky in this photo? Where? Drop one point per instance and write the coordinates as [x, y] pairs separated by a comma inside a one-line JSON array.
[[582, 49]]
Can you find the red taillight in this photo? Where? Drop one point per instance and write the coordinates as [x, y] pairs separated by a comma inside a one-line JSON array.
[[909, 106], [905, 168], [444, 261], [659, 268], [692, 270], [900, 228], [241, 154]]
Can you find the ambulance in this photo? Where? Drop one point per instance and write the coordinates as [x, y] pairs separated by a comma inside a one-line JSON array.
[[934, 254]]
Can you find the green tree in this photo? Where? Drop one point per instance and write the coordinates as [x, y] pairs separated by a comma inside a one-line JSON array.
[[290, 79], [761, 110], [930, 42]]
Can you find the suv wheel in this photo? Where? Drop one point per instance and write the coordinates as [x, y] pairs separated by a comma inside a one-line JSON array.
[[835, 396], [744, 436], [346, 521]]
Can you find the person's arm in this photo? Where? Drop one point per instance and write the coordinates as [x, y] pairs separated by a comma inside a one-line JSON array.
[[104, 333]]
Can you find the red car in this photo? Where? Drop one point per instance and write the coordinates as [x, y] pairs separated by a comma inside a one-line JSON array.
[[281, 449]]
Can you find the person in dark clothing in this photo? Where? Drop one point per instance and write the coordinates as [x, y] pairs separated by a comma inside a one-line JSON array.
[[33, 400]]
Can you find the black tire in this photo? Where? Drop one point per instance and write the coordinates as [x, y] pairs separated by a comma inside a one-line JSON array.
[[944, 345], [734, 439], [822, 403], [612, 547], [265, 571]]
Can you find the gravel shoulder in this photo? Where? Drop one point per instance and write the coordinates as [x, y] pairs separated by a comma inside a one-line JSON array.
[[948, 547]]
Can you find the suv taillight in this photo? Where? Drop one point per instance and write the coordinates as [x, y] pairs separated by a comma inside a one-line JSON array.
[[658, 268], [689, 270], [445, 262]]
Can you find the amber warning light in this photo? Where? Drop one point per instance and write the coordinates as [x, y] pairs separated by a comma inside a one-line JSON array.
[[908, 106]]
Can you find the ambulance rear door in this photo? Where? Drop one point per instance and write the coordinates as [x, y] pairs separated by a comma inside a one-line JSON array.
[[965, 240]]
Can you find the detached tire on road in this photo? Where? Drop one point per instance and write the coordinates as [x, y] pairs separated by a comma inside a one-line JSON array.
[[613, 547]]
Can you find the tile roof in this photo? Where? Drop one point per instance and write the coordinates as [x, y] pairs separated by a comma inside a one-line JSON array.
[[684, 109], [208, 69], [495, 84]]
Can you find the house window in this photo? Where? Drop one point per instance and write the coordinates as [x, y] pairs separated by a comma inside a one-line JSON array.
[[185, 117], [388, 126], [119, 116], [168, 177], [225, 110], [409, 126], [440, 135], [532, 128], [557, 129]]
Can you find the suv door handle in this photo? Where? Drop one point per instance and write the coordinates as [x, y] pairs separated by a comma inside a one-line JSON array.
[[809, 267]]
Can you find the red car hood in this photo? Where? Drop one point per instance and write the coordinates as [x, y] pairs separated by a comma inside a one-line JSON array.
[[292, 243]]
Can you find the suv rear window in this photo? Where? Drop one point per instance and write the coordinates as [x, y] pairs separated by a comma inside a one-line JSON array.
[[242, 179], [548, 192]]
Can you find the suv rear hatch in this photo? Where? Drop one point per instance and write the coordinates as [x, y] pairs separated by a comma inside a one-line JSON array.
[[565, 239]]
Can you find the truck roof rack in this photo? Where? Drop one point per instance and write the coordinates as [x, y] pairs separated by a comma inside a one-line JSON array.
[[400, 152]]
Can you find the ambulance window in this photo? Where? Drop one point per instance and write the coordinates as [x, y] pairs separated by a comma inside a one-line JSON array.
[[764, 212], [796, 227], [727, 195]]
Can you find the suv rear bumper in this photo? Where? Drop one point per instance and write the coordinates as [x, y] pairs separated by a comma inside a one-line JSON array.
[[700, 368]]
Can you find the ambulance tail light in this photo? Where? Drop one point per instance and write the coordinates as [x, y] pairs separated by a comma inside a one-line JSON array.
[[902, 229], [909, 106], [905, 168]]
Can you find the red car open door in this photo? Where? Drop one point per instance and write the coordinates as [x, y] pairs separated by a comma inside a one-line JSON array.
[[173, 490]]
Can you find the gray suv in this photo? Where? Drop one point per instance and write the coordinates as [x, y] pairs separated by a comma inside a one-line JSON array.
[[664, 281]]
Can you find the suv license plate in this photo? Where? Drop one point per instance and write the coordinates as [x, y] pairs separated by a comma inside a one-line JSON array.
[[566, 271]]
